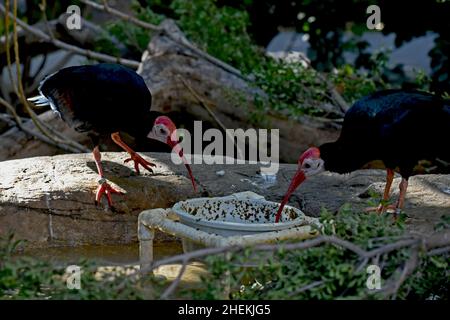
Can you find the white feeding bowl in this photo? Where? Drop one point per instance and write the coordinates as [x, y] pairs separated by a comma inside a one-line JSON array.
[[229, 216]]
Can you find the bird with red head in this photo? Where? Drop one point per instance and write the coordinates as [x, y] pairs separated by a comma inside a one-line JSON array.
[[164, 130], [309, 164]]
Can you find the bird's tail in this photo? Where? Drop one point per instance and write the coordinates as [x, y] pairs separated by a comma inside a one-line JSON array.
[[39, 100]]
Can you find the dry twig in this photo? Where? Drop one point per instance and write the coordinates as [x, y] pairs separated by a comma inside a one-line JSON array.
[[48, 135], [343, 105], [105, 7], [37, 135], [429, 244], [204, 104], [63, 45]]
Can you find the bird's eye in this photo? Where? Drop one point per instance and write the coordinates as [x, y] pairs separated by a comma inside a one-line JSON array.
[[307, 165]]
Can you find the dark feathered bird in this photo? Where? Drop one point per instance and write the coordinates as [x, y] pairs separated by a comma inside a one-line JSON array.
[[106, 99], [399, 127]]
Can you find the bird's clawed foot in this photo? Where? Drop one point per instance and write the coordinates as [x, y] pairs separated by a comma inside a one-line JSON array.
[[391, 208], [105, 189], [138, 160]]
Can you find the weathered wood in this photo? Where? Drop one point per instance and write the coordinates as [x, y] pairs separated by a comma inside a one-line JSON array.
[[167, 66]]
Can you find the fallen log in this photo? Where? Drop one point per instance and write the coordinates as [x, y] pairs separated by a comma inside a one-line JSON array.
[[172, 71]]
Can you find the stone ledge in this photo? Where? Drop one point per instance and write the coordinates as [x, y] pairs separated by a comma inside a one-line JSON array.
[[49, 200]]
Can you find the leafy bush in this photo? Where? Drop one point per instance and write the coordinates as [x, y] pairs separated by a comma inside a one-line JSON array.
[[327, 271], [323, 272], [222, 32], [135, 38]]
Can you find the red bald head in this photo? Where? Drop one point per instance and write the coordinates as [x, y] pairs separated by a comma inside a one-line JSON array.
[[164, 130], [311, 153], [309, 163]]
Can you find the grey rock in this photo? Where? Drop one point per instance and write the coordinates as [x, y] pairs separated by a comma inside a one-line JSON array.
[[49, 201]]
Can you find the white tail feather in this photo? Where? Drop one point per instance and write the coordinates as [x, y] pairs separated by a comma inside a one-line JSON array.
[[39, 100]]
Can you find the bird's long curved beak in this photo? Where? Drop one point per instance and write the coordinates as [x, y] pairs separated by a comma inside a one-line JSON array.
[[175, 145], [295, 182]]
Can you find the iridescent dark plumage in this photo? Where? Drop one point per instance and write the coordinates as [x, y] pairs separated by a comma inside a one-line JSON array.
[[398, 127], [102, 98]]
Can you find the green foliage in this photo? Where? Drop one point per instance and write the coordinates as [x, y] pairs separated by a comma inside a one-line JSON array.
[[329, 22], [327, 271], [222, 32], [422, 81], [323, 272], [430, 282], [290, 86], [23, 277], [353, 85], [135, 38]]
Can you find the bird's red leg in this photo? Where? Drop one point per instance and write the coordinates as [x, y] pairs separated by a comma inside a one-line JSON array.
[[104, 187], [401, 198], [387, 188], [98, 160], [138, 160]]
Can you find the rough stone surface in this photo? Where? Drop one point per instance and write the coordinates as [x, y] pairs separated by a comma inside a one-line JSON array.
[[49, 200]]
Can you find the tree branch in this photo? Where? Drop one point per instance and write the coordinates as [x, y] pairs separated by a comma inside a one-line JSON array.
[[54, 137], [156, 28], [166, 294], [334, 94], [211, 113], [63, 45], [440, 239], [37, 135]]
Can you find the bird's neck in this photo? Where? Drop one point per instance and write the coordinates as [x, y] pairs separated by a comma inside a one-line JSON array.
[[145, 125], [341, 158]]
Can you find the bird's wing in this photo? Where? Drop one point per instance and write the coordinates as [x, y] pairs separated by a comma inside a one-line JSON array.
[[61, 97], [389, 114], [104, 96], [417, 122]]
